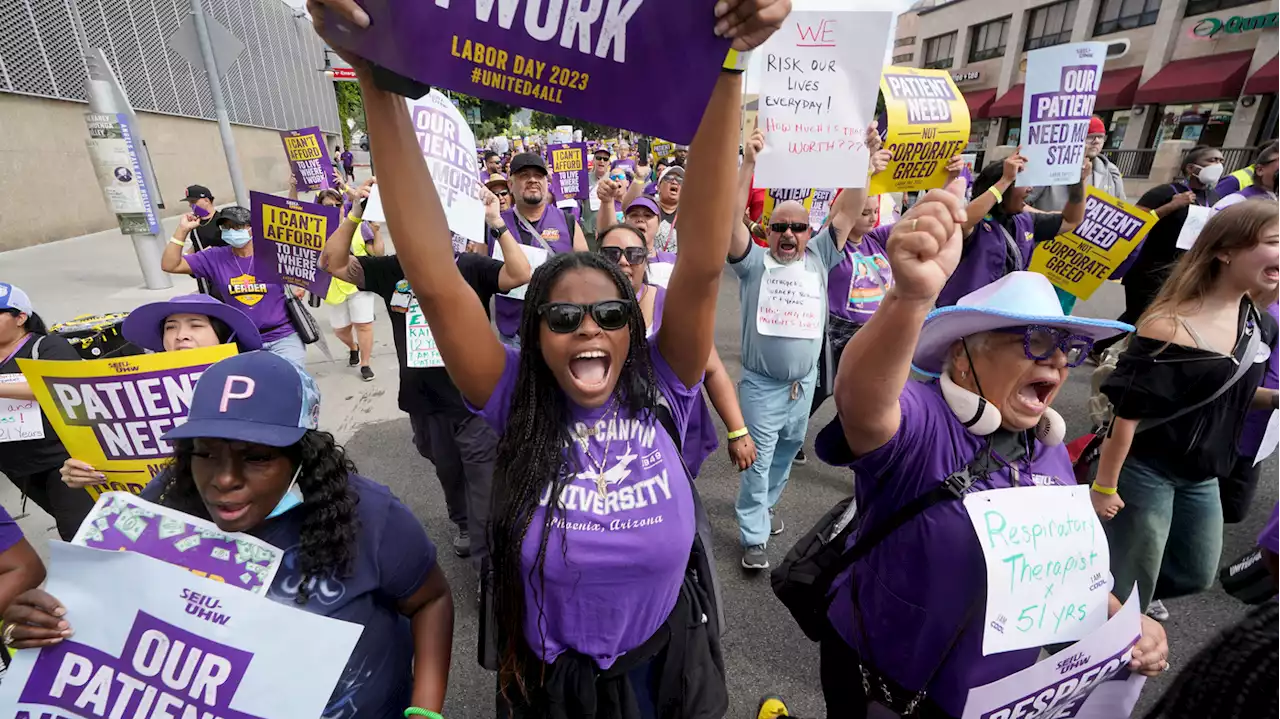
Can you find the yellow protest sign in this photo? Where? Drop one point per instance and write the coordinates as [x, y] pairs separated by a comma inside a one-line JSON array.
[[112, 413], [661, 150], [928, 125], [816, 201], [1078, 261]]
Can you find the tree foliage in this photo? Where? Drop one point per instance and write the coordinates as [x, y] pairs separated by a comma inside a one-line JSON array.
[[544, 122], [350, 105], [495, 117]]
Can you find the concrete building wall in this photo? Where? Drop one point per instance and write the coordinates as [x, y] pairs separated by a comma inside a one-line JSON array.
[[48, 190]]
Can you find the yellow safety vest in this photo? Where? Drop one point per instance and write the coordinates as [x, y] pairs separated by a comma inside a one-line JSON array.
[[340, 290], [1245, 176]]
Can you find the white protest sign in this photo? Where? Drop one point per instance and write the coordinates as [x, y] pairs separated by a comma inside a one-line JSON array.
[[1270, 439], [1089, 680], [420, 344], [20, 419], [817, 96], [1061, 90], [1197, 217], [791, 302], [660, 273], [1048, 565], [449, 146], [224, 652], [536, 256], [373, 208]]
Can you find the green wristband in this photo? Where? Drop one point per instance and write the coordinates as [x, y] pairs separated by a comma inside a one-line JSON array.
[[420, 712]]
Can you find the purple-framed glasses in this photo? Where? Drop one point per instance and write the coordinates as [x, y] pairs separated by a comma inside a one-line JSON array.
[[1039, 343]]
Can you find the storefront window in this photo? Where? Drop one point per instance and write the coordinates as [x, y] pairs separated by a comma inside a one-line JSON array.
[[1117, 122], [1204, 123], [978, 130], [1269, 126], [1013, 131]]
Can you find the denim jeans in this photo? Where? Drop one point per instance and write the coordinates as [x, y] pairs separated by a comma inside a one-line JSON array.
[[1168, 537], [777, 422], [289, 347]]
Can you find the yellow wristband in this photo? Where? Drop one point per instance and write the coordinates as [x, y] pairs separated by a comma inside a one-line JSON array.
[[736, 62], [999, 195], [352, 216], [737, 433], [176, 241], [1104, 490]]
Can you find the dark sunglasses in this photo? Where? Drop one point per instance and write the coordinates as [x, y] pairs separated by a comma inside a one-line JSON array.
[[634, 255], [1040, 342], [502, 193], [566, 317], [795, 227]]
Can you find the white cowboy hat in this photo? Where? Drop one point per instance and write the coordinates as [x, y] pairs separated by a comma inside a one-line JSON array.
[[1015, 300]]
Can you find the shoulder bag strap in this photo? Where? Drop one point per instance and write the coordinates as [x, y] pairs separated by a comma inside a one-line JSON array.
[[537, 236], [1243, 363]]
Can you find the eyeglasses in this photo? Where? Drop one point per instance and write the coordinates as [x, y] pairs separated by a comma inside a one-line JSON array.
[[1040, 342], [566, 317], [634, 255], [502, 193], [795, 227]]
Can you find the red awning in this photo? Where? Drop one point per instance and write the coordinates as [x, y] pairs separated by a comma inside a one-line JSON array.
[[1009, 104], [979, 101], [1118, 88], [1212, 77], [1265, 81]]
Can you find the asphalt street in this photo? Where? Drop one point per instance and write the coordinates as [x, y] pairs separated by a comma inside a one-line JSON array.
[[765, 651]]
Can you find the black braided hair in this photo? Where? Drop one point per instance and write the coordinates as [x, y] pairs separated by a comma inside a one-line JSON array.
[[330, 527], [531, 462], [1234, 677]]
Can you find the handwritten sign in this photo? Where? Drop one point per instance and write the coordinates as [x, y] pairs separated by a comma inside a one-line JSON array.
[[121, 521], [1197, 217], [536, 255], [311, 165], [928, 124], [446, 141], [288, 237], [420, 344], [817, 96], [113, 412], [568, 165], [1048, 566], [791, 302], [566, 59], [1079, 261], [20, 419], [1088, 680], [1061, 90]]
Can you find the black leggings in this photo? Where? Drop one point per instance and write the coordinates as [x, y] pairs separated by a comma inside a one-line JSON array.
[[68, 506]]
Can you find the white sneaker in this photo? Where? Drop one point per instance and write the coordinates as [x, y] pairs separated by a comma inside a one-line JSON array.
[[1157, 611]]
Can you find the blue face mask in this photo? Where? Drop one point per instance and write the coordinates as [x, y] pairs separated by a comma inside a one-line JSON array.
[[236, 238], [292, 497]]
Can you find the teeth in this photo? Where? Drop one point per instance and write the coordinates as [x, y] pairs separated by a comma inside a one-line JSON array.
[[590, 354]]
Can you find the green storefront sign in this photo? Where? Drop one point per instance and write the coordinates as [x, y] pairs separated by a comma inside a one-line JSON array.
[[1211, 26]]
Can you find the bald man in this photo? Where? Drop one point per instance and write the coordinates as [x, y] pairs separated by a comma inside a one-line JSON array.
[[783, 292]]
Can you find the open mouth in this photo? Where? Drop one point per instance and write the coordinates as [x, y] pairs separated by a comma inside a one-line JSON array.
[[590, 369], [1272, 274], [787, 248], [228, 512], [1036, 395]]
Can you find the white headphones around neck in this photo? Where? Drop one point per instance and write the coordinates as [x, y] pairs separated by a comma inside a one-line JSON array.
[[982, 418]]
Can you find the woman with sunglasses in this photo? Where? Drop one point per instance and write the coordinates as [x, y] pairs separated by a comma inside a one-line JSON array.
[[913, 631], [624, 246], [1181, 392], [643, 214], [595, 517]]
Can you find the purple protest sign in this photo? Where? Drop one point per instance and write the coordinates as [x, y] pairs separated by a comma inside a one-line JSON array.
[[121, 521], [566, 60], [1061, 91], [311, 165], [568, 163], [288, 237]]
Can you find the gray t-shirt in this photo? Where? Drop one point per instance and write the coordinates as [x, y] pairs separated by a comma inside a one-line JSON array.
[[782, 358]]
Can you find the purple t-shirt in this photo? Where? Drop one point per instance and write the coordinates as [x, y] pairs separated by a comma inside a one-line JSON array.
[[10, 532], [916, 587], [700, 439], [233, 282], [393, 557], [621, 538], [1255, 422], [856, 286], [348, 159]]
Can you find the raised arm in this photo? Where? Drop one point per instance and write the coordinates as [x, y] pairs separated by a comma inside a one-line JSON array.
[[516, 270], [740, 242], [1073, 212], [336, 258], [172, 260], [980, 206], [423, 243], [848, 205], [607, 191], [709, 198], [923, 249]]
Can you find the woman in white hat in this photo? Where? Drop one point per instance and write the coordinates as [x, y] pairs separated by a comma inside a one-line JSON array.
[[909, 616]]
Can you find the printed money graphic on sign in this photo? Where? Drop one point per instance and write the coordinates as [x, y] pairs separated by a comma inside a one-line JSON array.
[[568, 164], [928, 125], [1061, 90], [1080, 260], [567, 59], [288, 238], [186, 647], [120, 521], [312, 167], [446, 141], [112, 413], [817, 97]]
